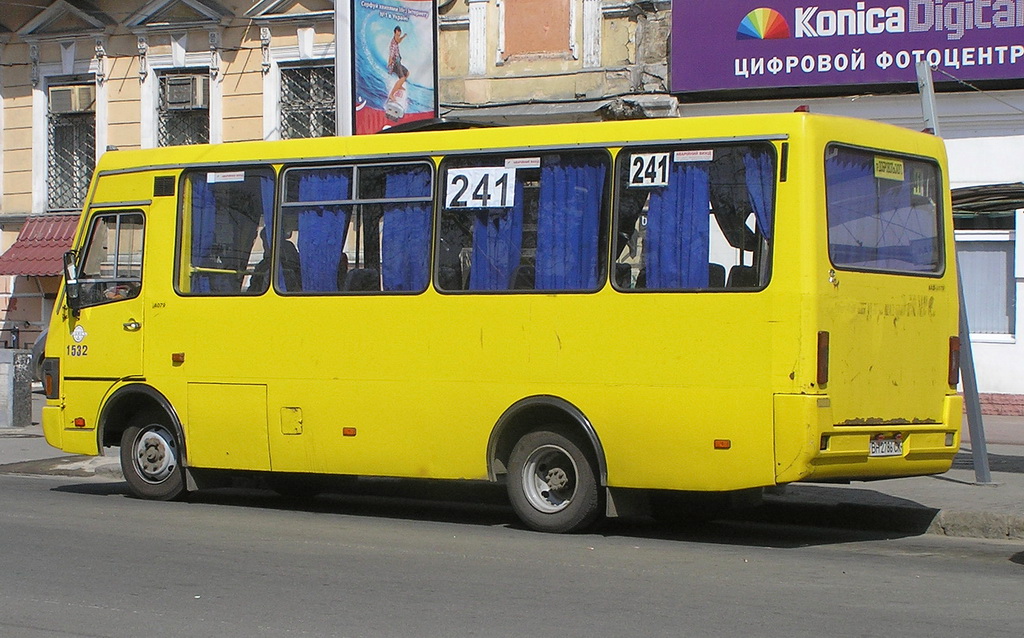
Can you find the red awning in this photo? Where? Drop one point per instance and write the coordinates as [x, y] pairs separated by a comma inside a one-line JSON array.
[[40, 246]]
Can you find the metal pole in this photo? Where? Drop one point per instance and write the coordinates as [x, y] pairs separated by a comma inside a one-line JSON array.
[[979, 448], [975, 425], [343, 69]]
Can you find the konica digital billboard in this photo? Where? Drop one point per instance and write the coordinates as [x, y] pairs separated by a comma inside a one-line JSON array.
[[763, 44]]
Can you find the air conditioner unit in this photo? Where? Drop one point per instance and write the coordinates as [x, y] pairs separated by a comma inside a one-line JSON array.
[[80, 98], [186, 92]]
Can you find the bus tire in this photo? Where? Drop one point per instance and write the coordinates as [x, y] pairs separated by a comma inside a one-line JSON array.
[[552, 483], [151, 459]]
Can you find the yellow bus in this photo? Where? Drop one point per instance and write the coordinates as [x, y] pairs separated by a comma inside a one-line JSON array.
[[590, 314]]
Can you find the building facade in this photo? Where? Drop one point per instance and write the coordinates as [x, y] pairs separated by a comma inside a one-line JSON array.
[[80, 77]]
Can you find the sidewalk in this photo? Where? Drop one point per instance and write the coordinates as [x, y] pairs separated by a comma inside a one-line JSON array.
[[950, 504]]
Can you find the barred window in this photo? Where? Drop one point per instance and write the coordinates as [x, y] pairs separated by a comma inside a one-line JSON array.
[[71, 149], [183, 113], [307, 101]]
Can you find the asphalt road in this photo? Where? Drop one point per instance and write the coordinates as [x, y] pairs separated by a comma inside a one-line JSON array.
[[80, 558]]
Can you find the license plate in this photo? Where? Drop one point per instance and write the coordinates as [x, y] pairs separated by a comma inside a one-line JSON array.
[[885, 447]]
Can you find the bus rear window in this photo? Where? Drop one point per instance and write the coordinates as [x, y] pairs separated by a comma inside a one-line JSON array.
[[883, 211]]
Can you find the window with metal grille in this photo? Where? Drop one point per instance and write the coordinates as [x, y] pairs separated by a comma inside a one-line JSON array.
[[307, 101], [184, 108], [71, 148]]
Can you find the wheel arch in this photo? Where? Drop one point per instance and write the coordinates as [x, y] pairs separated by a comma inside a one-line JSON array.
[[128, 401], [528, 414]]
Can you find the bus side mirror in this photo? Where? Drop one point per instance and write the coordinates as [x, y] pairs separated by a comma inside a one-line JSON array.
[[71, 286]]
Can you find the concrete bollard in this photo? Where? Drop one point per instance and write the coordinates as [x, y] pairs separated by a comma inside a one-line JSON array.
[[15, 388]]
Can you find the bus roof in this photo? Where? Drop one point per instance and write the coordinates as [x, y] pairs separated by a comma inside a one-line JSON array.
[[608, 133]]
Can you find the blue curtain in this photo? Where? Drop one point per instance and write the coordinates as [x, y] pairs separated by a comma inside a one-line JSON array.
[[676, 244], [497, 245], [204, 212], [760, 178], [322, 230], [568, 220], [405, 240]]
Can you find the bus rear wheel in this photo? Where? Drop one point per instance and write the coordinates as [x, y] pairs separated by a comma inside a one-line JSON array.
[[552, 483], [151, 459]]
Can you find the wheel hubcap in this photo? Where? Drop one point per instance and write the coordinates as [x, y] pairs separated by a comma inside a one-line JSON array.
[[155, 456], [549, 479]]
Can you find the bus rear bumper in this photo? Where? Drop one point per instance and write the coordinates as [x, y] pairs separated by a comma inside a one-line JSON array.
[[810, 447]]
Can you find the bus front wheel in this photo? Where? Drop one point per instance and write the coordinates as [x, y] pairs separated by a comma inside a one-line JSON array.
[[150, 460], [552, 483]]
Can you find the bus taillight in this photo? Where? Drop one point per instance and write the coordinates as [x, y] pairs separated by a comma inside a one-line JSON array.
[[954, 361], [822, 357]]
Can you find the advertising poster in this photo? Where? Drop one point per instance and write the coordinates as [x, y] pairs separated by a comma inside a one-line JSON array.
[[395, 63], [766, 44]]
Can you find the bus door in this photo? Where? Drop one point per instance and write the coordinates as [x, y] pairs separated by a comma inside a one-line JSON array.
[[103, 341]]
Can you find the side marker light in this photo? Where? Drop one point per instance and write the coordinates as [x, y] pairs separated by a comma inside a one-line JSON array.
[[723, 444]]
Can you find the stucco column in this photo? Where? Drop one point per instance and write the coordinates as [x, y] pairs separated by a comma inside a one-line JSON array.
[[478, 37], [591, 34]]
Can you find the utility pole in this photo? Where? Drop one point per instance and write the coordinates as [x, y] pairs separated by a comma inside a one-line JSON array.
[[979, 449]]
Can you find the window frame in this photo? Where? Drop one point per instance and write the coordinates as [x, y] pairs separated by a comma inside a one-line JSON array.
[[183, 262], [163, 76], [514, 153], [940, 222], [994, 236], [83, 281], [285, 66], [698, 145], [355, 202]]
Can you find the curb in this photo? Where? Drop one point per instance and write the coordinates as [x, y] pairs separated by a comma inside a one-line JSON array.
[[910, 519], [978, 525], [77, 466]]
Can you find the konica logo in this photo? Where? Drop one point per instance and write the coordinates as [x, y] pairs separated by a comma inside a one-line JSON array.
[[814, 22], [763, 24], [953, 17]]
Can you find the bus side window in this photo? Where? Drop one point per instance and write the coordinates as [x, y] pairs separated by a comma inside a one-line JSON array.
[[357, 229], [523, 223], [694, 218], [111, 267], [226, 216]]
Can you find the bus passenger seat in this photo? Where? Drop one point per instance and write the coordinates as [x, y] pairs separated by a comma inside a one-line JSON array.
[[448, 278], [716, 276], [623, 275], [742, 277], [362, 279], [523, 278]]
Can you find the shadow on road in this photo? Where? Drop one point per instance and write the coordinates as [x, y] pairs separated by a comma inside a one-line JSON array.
[[996, 462], [778, 523]]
